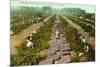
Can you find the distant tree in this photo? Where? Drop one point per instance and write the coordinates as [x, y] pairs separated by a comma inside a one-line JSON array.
[[74, 11], [47, 9]]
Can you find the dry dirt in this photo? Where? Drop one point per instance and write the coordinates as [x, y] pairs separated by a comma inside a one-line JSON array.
[[90, 40], [19, 38]]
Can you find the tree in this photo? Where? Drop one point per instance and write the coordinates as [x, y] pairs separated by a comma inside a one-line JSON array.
[[47, 9]]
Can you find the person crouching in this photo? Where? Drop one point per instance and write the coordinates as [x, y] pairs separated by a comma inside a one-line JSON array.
[[29, 40], [30, 44]]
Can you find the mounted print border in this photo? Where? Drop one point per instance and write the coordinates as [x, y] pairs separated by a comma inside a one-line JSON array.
[[44, 33]]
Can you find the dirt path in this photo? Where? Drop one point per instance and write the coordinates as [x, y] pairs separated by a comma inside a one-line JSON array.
[[84, 19], [90, 40], [59, 51], [18, 39], [88, 24]]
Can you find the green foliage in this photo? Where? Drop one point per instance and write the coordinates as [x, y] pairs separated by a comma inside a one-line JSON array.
[[87, 28], [75, 11], [83, 20], [32, 56], [20, 22], [24, 17], [72, 37], [47, 9]]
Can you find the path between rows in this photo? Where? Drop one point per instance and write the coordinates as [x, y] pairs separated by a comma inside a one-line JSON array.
[[59, 51], [84, 19], [90, 40], [19, 38], [88, 24]]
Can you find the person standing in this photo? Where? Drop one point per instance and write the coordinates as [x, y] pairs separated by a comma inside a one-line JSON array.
[[57, 35]]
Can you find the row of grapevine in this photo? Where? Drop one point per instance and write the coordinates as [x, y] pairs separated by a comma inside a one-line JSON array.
[[72, 37], [21, 21], [27, 56], [82, 20], [87, 28]]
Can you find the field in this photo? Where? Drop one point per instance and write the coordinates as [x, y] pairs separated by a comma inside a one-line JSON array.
[[68, 48]]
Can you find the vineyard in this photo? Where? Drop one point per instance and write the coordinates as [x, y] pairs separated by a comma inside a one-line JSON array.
[[20, 20], [85, 25], [48, 49], [72, 36]]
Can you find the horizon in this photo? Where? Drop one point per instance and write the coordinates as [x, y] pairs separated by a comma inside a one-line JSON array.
[[16, 4]]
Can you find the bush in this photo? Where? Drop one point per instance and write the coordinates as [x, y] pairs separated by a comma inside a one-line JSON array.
[[87, 28], [72, 37], [27, 56]]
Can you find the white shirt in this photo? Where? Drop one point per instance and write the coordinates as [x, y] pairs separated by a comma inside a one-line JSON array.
[[84, 40], [57, 33], [34, 32], [87, 48], [29, 44]]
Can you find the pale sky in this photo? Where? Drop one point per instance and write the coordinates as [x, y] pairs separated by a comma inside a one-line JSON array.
[[16, 3]]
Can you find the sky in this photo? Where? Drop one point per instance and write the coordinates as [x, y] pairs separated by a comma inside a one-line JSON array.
[[34, 3]]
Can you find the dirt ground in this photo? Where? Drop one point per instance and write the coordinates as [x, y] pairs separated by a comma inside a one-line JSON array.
[[90, 40], [19, 38]]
